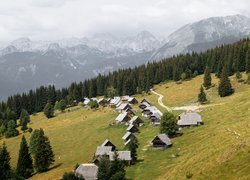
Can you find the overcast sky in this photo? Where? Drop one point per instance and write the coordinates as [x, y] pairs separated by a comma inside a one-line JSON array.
[[56, 19]]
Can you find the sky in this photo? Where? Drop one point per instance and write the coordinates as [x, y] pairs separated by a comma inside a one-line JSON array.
[[57, 19]]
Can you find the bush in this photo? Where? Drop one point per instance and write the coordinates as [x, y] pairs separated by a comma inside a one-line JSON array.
[[189, 175], [93, 104]]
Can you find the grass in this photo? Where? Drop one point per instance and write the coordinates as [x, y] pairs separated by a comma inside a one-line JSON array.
[[211, 151]]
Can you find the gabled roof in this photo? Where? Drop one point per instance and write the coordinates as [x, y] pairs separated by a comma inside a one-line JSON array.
[[145, 100], [135, 118], [187, 119], [115, 100], [123, 106], [86, 101], [100, 100], [125, 98], [131, 99], [164, 138], [121, 117], [122, 155], [145, 104], [153, 110], [156, 114], [88, 171], [131, 126], [103, 150], [107, 142], [126, 135]]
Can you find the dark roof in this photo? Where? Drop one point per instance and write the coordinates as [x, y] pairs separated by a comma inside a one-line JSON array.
[[164, 138]]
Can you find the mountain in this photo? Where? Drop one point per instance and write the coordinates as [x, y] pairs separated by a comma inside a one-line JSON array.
[[26, 64], [204, 34]]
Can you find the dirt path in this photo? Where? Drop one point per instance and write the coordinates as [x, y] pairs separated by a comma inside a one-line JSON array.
[[185, 108], [160, 100]]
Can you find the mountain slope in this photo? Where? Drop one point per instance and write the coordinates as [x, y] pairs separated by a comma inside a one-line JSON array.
[[208, 151], [204, 34]]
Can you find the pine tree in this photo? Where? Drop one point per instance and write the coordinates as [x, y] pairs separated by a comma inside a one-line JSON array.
[[48, 110], [168, 124], [248, 61], [24, 163], [11, 129], [44, 156], [117, 166], [104, 169], [207, 78], [132, 146], [202, 98], [238, 75], [24, 119], [5, 168], [60, 105], [34, 140], [225, 87], [248, 78]]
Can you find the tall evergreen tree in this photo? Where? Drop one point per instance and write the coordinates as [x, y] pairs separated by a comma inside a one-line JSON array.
[[24, 163], [104, 169], [202, 98], [44, 156], [168, 124], [225, 87], [117, 168], [34, 140], [24, 119], [5, 169], [11, 129], [248, 61], [48, 110], [132, 146], [207, 78]]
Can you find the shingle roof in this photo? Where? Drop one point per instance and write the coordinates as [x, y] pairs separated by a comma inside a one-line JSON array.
[[153, 110], [122, 155], [134, 118], [103, 150], [88, 171], [106, 142], [145, 100], [164, 138], [126, 135], [123, 106], [121, 117], [130, 127], [125, 98], [115, 100], [189, 119]]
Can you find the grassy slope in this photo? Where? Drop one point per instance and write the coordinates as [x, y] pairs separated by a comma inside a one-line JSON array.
[[211, 151]]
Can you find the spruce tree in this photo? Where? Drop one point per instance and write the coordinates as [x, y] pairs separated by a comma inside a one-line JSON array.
[[248, 61], [202, 98], [248, 78], [104, 169], [117, 166], [24, 163], [207, 78], [48, 110], [5, 169], [225, 87], [34, 140], [132, 146], [11, 129], [44, 156], [168, 124], [24, 119]]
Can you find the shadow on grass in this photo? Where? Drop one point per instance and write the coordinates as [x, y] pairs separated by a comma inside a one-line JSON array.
[[55, 166]]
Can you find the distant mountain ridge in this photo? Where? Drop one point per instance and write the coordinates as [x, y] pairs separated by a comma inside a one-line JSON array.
[[27, 64], [214, 30]]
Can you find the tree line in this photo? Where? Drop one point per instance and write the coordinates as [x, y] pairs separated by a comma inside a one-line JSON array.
[[234, 58]]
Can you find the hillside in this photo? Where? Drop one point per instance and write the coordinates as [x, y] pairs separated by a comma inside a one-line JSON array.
[[211, 151]]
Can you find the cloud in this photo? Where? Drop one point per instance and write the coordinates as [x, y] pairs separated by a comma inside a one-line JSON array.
[[55, 19]]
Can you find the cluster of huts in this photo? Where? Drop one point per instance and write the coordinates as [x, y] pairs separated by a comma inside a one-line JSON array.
[[107, 149], [127, 116]]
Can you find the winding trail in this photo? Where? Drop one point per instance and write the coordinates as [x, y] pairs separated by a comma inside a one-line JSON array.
[[185, 108], [160, 100]]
